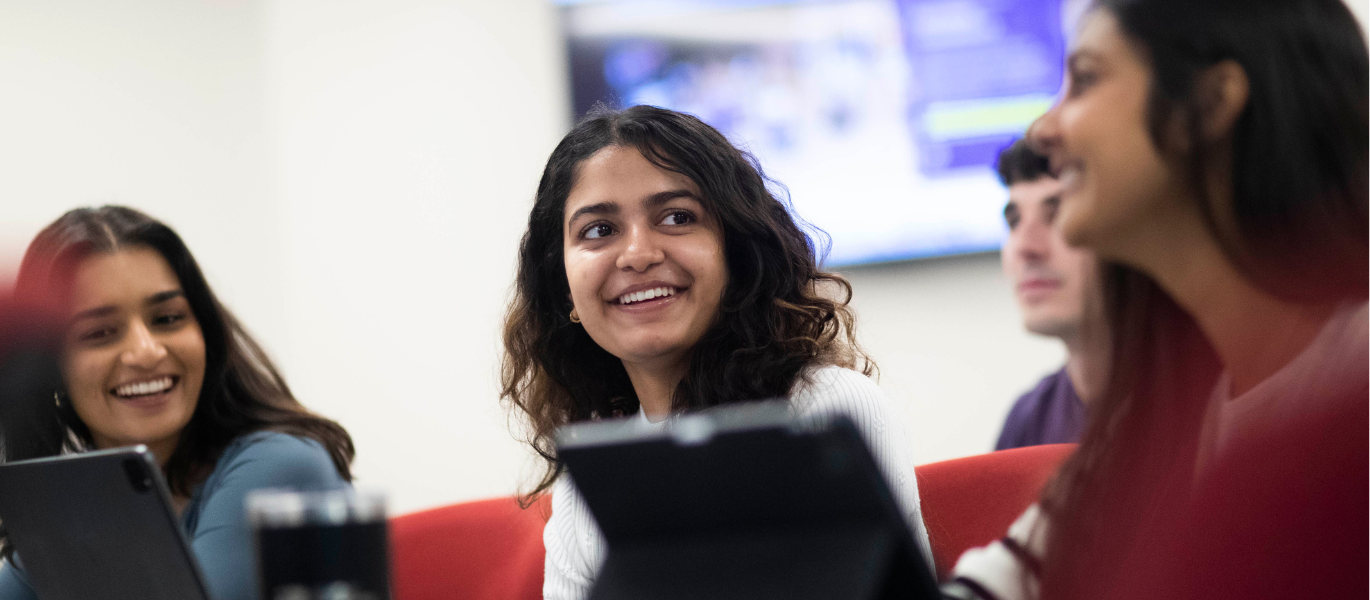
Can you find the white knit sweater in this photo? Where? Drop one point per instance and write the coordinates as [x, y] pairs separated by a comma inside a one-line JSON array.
[[576, 548]]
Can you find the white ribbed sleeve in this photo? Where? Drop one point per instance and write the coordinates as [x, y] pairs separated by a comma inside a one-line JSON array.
[[576, 548], [995, 571]]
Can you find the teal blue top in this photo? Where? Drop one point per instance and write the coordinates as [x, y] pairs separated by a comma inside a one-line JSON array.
[[215, 520]]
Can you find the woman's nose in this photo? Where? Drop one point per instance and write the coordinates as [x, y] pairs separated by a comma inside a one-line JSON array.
[[1044, 135], [641, 251], [144, 350]]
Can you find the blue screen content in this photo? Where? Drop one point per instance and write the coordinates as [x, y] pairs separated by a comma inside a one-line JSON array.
[[879, 119]]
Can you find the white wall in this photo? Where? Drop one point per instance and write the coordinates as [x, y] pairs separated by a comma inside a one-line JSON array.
[[410, 137], [950, 347], [152, 103], [353, 176]]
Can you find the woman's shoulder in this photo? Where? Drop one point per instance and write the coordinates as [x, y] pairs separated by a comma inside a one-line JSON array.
[[273, 445], [283, 458], [832, 387], [259, 460]]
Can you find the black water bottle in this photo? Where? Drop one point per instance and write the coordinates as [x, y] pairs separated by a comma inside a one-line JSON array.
[[321, 545]]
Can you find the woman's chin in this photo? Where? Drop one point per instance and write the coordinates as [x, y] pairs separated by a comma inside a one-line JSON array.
[[1076, 227], [649, 353], [153, 430]]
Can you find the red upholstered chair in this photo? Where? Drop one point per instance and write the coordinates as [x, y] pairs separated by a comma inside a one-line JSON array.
[[483, 550], [492, 549], [969, 502]]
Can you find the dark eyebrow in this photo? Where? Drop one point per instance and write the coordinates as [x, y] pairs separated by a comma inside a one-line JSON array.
[[609, 208], [161, 297], [104, 311], [660, 198], [94, 313], [601, 208]]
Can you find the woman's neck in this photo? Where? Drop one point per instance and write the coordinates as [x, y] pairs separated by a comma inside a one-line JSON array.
[[1254, 333], [1087, 362], [655, 385], [162, 449]]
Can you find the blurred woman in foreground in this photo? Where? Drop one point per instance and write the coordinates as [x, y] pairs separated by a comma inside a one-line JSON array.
[[658, 275], [1215, 152], [150, 356]]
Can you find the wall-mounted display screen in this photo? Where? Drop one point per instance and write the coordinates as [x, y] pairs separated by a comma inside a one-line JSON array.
[[881, 118]]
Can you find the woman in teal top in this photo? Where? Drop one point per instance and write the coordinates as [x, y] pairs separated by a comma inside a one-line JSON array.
[[150, 356]]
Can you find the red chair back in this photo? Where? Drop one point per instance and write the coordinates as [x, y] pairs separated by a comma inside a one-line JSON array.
[[492, 549], [969, 502], [484, 550]]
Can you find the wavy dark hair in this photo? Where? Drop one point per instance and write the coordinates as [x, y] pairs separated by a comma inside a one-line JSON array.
[[243, 391], [777, 316], [1296, 228]]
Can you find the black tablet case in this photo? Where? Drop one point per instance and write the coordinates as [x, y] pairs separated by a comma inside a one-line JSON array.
[[743, 502], [98, 526]]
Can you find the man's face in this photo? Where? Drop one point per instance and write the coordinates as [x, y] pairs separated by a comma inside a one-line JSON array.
[[1049, 278]]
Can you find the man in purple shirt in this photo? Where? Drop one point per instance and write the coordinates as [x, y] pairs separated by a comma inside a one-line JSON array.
[[1057, 290]]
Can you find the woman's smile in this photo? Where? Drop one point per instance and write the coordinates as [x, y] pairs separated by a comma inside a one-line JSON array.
[[644, 259], [150, 395], [646, 295], [135, 358], [1113, 175], [1069, 175], [649, 299]]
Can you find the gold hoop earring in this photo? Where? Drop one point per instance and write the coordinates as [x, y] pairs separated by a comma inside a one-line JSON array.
[[575, 318], [57, 399]]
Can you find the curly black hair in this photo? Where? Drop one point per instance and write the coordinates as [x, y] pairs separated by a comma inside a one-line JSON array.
[[777, 316]]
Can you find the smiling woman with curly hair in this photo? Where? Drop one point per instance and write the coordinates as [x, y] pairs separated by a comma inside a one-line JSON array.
[[660, 275]]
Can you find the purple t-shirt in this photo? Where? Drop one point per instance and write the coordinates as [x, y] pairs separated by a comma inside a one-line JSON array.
[[1049, 414]]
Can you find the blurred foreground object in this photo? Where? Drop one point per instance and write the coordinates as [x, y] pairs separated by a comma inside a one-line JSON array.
[[745, 501], [1282, 514], [492, 549], [30, 375], [330, 545]]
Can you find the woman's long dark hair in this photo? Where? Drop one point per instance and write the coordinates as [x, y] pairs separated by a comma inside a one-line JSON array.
[[1296, 228], [774, 319], [242, 391]]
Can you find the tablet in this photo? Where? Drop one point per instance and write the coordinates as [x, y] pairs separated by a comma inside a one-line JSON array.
[[743, 501], [98, 526]]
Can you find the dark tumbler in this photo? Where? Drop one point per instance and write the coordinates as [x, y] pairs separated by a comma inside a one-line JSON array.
[[321, 545]]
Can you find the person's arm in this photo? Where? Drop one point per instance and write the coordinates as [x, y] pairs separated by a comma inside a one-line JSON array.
[[1002, 570], [842, 391], [567, 572], [222, 539], [14, 585]]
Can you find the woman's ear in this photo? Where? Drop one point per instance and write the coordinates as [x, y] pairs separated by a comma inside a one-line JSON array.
[[1221, 93]]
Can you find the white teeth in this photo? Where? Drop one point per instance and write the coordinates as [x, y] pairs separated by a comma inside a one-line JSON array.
[[144, 388], [646, 295], [1069, 177]]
